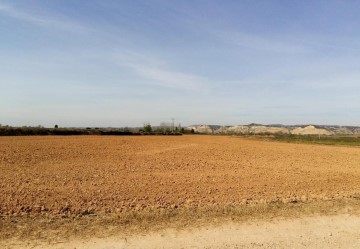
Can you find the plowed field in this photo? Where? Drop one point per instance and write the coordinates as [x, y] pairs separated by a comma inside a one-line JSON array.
[[92, 174]]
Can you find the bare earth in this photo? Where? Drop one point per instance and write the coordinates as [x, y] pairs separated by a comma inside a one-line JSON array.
[[92, 175], [115, 174]]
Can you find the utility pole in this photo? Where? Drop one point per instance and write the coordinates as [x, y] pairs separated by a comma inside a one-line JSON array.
[[172, 125]]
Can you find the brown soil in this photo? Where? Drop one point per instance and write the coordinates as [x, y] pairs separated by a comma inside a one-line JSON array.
[[92, 174]]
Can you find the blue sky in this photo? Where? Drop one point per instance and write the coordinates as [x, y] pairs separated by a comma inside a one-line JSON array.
[[123, 63]]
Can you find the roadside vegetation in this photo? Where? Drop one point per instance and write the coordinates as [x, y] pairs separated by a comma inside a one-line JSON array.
[[54, 229]]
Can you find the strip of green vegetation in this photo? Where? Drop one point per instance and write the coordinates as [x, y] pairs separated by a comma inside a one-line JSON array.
[[328, 140]]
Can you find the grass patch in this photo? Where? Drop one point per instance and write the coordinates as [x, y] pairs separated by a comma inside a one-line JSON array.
[[327, 140]]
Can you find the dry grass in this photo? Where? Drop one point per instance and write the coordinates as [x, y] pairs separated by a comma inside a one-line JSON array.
[[56, 228]]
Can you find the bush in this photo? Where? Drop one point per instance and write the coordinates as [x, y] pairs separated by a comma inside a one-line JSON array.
[[147, 128]]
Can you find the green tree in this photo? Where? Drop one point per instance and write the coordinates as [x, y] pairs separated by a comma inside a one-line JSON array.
[[147, 128]]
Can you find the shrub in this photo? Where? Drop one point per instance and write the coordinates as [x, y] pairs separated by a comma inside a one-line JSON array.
[[147, 128]]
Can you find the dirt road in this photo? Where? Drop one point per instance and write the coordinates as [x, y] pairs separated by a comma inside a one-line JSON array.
[[340, 231]]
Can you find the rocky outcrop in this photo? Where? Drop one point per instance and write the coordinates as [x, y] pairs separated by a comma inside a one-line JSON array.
[[229, 130], [247, 130], [311, 130], [268, 130], [276, 129], [203, 129]]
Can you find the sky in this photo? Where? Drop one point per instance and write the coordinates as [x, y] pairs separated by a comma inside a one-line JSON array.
[[125, 63]]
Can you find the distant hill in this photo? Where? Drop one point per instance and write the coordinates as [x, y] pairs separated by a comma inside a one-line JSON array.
[[258, 129]]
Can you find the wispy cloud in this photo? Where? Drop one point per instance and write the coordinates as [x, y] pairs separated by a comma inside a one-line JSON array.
[[336, 82], [156, 72], [285, 44], [233, 36], [41, 19], [280, 45]]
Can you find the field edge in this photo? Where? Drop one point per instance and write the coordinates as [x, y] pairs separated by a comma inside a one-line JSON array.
[[55, 228]]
